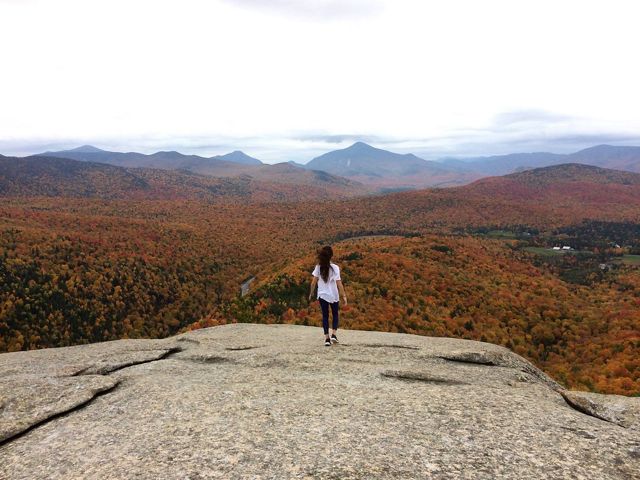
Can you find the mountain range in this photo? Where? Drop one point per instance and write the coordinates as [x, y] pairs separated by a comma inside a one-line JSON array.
[[564, 189], [64, 177], [232, 165], [376, 168], [164, 159], [605, 156]]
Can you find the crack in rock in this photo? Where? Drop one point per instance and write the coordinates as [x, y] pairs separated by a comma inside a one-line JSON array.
[[108, 366], [24, 411], [580, 432], [586, 403], [208, 359], [502, 359], [420, 377], [385, 345], [79, 372], [621, 411], [474, 358], [242, 347], [10, 431]]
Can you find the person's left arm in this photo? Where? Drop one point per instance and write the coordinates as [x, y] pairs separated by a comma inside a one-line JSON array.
[[341, 290]]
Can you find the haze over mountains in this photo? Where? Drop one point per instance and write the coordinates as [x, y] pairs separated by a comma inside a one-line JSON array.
[[239, 157], [235, 165], [64, 177], [574, 186], [164, 159], [365, 160], [377, 168], [605, 156], [557, 194], [381, 168]]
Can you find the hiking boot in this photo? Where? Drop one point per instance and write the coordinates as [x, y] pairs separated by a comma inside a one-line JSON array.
[[327, 342], [334, 339]]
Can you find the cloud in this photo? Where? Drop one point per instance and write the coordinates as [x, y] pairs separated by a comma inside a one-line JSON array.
[[529, 116], [514, 131], [339, 138], [314, 9], [302, 148]]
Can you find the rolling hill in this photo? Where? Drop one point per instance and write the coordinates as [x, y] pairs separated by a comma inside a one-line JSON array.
[[609, 156], [605, 156], [61, 177], [550, 196], [573, 173], [52, 177], [566, 183]]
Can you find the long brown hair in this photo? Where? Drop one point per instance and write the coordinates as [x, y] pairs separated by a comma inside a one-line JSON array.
[[324, 259]]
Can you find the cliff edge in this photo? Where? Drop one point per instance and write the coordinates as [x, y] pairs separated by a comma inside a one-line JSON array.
[[270, 401]]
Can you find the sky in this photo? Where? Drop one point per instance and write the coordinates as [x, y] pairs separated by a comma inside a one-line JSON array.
[[289, 80]]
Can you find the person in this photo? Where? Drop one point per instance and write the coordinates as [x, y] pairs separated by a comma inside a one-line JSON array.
[[326, 275]]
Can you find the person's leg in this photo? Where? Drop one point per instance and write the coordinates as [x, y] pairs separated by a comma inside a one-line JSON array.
[[324, 306], [334, 313]]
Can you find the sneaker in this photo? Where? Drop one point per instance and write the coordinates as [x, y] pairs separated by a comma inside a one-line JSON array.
[[334, 339], [327, 342]]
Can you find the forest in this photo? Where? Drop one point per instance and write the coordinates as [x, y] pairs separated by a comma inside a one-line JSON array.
[[464, 262], [584, 336]]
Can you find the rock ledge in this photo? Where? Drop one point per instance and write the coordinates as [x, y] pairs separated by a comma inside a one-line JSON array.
[[270, 401]]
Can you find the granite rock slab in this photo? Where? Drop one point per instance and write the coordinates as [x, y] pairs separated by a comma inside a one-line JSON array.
[[271, 401]]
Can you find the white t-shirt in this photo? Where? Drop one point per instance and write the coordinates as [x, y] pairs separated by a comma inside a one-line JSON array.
[[328, 290]]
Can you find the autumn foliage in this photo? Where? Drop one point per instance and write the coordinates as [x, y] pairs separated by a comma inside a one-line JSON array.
[[585, 337], [84, 269]]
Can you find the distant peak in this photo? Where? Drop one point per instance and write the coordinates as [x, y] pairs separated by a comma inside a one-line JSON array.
[[360, 146], [239, 156], [599, 147], [86, 149], [167, 152], [235, 153]]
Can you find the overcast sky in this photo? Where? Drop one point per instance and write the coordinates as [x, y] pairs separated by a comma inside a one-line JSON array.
[[288, 80]]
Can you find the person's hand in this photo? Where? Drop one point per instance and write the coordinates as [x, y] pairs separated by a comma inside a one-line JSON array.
[[345, 300], [310, 296]]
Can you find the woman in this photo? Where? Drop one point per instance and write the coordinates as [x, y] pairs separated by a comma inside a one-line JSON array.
[[326, 276]]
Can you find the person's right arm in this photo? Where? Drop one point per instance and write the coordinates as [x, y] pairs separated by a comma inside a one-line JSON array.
[[313, 287]]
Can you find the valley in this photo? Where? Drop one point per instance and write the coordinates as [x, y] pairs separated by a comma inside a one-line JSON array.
[[445, 262]]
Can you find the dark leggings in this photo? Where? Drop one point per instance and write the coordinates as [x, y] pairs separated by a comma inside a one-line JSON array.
[[324, 305]]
